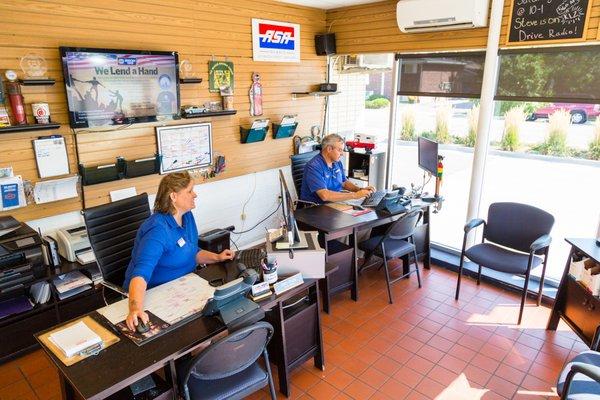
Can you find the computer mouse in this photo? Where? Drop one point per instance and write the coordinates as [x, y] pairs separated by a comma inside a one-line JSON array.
[[356, 207], [142, 327]]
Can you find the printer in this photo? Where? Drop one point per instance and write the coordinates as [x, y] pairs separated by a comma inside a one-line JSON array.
[[74, 245], [21, 259]]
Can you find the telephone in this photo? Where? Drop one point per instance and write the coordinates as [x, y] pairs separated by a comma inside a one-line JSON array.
[[231, 303], [393, 203]]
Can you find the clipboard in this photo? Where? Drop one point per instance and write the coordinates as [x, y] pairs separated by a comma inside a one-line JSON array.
[[51, 156], [108, 339]]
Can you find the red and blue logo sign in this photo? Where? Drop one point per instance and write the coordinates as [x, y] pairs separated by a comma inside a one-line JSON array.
[[276, 36]]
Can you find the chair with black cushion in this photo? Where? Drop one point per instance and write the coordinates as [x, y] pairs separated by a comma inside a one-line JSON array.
[[398, 241], [580, 377], [111, 230], [299, 161], [515, 237], [229, 368]]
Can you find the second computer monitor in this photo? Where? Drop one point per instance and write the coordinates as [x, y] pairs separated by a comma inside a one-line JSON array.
[[428, 155]]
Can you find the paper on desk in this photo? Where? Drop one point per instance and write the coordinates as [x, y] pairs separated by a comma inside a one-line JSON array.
[[54, 190], [171, 302], [122, 193]]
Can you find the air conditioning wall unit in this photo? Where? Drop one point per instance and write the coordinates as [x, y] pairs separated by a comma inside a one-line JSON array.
[[440, 15], [368, 62]]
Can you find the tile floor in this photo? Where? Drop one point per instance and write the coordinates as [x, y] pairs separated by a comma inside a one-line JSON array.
[[424, 346]]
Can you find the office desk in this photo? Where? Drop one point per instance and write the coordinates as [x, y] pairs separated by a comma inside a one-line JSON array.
[[335, 224], [123, 363]]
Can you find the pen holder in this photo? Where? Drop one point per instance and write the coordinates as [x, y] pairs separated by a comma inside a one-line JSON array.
[[253, 135], [284, 131], [270, 271]]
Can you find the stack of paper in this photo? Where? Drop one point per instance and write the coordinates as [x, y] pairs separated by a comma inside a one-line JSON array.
[[14, 305], [75, 339], [40, 292], [71, 283]]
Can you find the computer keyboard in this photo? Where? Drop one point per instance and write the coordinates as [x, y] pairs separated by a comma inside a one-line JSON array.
[[374, 199], [251, 258]]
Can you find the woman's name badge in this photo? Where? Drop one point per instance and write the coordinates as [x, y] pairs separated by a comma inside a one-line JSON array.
[[181, 242]]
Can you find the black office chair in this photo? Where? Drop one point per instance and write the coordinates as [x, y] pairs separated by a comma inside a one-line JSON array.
[[229, 368], [519, 233], [299, 161], [111, 230], [397, 242]]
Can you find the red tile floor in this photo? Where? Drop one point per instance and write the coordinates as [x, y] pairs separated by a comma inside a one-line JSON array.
[[424, 346]]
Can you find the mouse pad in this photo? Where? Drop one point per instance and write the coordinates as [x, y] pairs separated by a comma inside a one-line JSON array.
[[157, 327]]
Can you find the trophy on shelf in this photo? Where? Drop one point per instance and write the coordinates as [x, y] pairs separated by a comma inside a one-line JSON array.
[[34, 67], [187, 73]]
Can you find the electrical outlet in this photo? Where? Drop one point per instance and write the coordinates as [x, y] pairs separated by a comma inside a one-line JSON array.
[[243, 216]]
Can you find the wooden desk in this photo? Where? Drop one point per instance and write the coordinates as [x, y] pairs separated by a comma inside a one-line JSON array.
[[335, 224], [573, 303], [124, 363]]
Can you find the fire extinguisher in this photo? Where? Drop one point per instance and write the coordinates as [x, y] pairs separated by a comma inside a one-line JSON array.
[[13, 89]]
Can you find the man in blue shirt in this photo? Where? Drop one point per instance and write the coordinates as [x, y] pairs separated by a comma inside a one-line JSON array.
[[324, 177]]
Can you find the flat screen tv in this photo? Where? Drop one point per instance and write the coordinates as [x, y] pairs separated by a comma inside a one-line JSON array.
[[117, 87]]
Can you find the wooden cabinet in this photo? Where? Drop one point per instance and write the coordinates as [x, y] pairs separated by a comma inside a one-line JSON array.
[[574, 303]]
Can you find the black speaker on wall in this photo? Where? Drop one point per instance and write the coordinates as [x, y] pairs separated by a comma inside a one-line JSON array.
[[325, 44]]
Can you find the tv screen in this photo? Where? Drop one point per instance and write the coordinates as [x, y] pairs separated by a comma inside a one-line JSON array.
[[115, 87]]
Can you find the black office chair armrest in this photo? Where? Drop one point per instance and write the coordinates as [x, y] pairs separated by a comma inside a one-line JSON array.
[[591, 371], [475, 222], [308, 203], [540, 243]]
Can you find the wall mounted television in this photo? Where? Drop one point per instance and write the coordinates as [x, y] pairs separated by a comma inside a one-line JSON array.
[[118, 87]]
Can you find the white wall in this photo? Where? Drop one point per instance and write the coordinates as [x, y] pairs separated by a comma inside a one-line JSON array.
[[218, 205]]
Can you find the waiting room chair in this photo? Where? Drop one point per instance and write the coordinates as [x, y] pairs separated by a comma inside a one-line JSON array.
[[580, 377], [397, 242], [518, 233], [111, 230], [229, 368]]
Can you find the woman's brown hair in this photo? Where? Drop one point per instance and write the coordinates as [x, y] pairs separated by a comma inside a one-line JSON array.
[[170, 183]]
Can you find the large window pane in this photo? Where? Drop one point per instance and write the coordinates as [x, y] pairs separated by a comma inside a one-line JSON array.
[[448, 75], [556, 74], [547, 162]]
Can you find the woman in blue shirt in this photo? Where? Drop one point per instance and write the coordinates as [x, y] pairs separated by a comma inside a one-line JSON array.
[[166, 244]]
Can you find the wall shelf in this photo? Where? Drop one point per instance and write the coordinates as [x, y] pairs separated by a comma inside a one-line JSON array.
[[29, 127], [190, 80], [297, 95], [210, 114], [37, 82]]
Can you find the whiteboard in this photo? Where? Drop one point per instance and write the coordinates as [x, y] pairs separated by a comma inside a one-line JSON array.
[[51, 156], [184, 147]]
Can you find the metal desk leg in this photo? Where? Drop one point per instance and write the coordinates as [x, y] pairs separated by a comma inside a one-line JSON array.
[[68, 393], [427, 222], [319, 355], [353, 241], [171, 372]]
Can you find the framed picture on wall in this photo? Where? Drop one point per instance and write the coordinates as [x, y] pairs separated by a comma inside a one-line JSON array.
[[183, 147]]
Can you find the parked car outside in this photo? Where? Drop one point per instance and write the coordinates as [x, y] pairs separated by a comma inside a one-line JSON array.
[[580, 113]]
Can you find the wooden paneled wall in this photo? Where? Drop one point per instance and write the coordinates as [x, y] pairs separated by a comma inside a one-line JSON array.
[[198, 30], [372, 28]]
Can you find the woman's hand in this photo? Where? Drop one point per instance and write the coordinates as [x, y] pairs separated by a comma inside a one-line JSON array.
[[133, 319], [226, 255]]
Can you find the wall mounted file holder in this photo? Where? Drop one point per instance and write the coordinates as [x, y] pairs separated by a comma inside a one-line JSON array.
[[141, 166], [99, 173], [284, 131], [253, 135]]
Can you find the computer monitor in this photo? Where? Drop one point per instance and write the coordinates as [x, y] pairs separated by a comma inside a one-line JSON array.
[[428, 155], [293, 234]]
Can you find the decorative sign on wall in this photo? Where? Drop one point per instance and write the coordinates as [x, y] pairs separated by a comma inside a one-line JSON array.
[[220, 74], [547, 21], [275, 41]]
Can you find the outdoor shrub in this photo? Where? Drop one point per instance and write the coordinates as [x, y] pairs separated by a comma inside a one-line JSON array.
[[556, 141], [512, 123], [376, 96], [594, 147], [408, 125], [442, 121], [473, 121], [377, 103], [428, 135], [528, 108]]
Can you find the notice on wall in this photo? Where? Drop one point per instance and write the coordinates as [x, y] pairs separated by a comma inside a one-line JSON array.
[[275, 41], [548, 21]]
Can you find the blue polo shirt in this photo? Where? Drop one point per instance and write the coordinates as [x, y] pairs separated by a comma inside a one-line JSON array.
[[318, 175], [163, 251]]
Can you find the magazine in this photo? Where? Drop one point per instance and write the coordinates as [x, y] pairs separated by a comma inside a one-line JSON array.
[[157, 327]]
